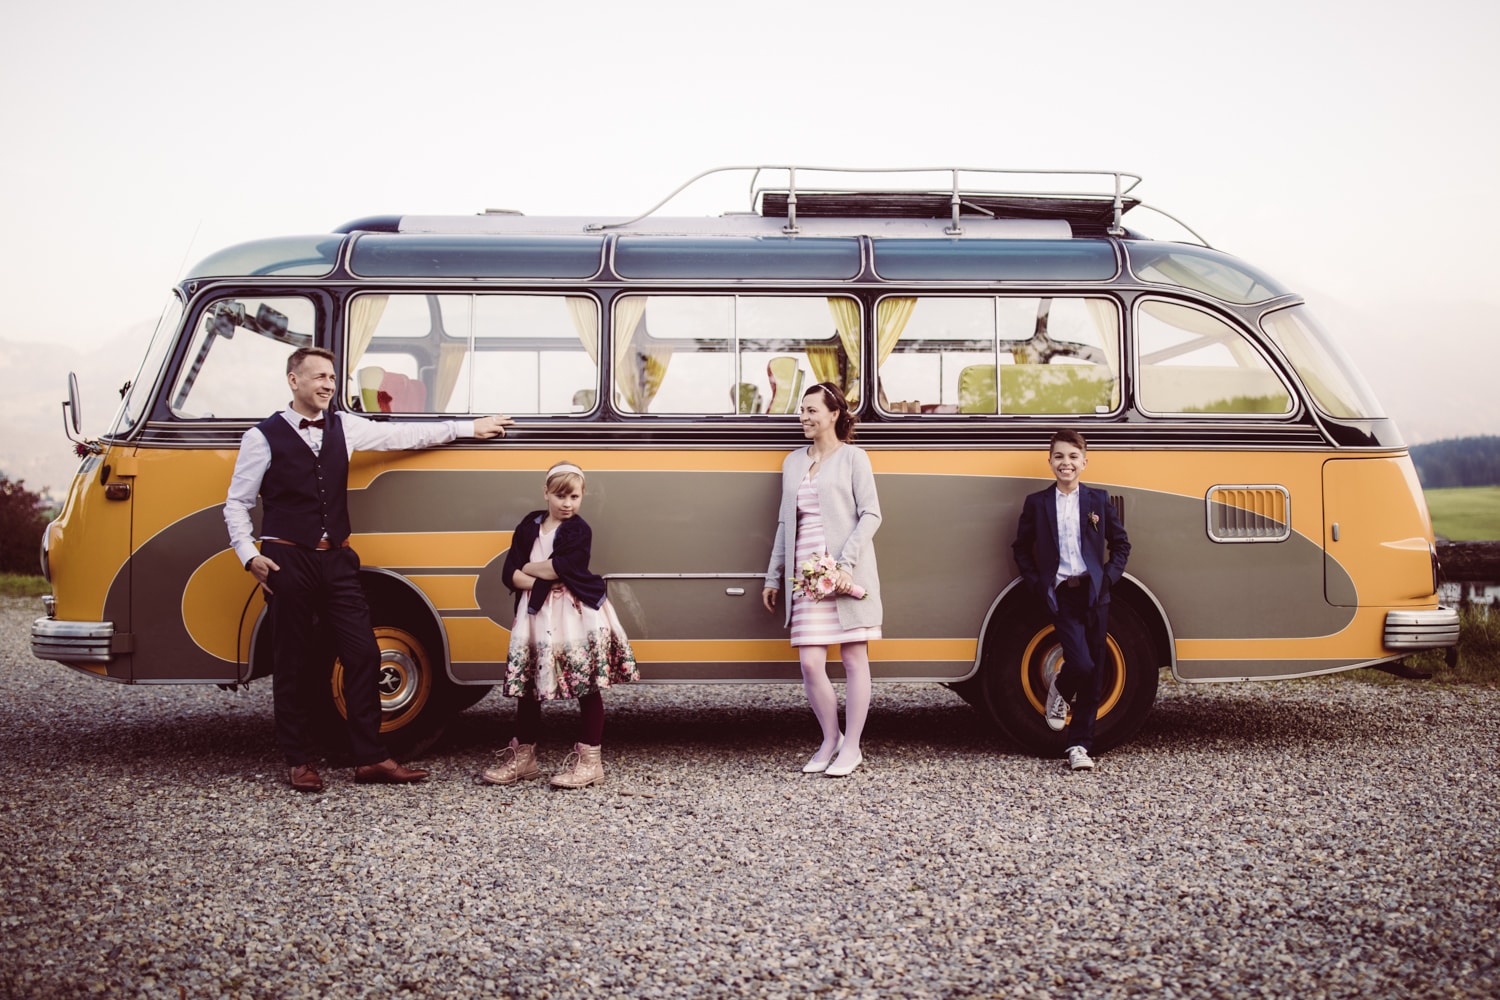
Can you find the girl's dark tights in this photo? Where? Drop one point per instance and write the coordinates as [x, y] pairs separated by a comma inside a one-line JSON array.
[[590, 722]]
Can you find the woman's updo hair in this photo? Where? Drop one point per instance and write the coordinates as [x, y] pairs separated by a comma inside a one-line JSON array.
[[563, 478], [833, 398]]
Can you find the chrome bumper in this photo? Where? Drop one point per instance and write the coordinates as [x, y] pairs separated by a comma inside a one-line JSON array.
[[1421, 629], [72, 642]]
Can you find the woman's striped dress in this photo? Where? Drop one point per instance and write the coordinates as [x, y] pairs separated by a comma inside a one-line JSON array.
[[816, 623]]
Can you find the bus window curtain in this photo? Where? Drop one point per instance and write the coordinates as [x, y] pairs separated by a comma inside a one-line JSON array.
[[586, 324], [1106, 321], [891, 317], [639, 370], [824, 360], [364, 317]]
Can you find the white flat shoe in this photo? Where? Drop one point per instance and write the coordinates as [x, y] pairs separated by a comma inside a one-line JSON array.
[[837, 770], [816, 766]]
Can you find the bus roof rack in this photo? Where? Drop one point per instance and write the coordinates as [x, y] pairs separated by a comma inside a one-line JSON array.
[[1027, 194]]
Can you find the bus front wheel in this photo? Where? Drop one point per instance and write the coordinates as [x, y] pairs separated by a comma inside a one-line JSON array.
[[1022, 655]]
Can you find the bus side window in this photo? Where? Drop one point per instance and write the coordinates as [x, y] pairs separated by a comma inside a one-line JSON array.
[[1192, 362], [235, 367], [731, 354], [518, 354], [999, 355]]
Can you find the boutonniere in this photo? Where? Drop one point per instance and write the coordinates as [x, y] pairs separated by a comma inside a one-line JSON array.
[[1094, 520]]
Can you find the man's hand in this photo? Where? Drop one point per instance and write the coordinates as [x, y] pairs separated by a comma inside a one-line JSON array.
[[488, 427], [261, 567]]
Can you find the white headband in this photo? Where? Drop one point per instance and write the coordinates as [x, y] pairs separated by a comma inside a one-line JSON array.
[[565, 467]]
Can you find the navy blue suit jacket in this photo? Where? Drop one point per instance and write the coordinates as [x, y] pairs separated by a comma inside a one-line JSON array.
[[1036, 549]]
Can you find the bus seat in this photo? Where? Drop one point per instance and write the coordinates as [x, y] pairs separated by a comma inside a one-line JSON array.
[[747, 398], [399, 394], [583, 400], [976, 389], [369, 380], [786, 384]]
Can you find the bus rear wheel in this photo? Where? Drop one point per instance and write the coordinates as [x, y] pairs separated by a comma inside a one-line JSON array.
[[1023, 656], [405, 680]]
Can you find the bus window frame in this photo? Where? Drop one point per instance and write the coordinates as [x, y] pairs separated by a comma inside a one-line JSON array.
[[1249, 335], [444, 335], [994, 296], [736, 349]]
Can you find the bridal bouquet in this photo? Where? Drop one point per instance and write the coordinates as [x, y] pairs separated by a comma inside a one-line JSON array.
[[816, 578]]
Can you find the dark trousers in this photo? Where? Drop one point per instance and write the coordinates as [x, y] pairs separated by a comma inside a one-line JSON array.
[[318, 591], [590, 722], [1080, 630]]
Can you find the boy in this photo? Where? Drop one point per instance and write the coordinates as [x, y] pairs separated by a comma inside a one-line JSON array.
[[1060, 550]]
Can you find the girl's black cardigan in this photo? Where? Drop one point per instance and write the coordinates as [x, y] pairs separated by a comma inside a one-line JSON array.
[[570, 558]]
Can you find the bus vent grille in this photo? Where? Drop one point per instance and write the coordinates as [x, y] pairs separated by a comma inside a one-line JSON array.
[[1249, 513]]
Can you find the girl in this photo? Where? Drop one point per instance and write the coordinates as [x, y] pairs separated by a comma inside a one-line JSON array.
[[566, 642], [828, 505]]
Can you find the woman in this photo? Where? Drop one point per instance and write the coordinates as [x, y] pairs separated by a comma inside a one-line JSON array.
[[828, 506]]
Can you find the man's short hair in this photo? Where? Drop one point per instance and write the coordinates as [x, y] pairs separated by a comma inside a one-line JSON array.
[[1068, 436], [301, 354]]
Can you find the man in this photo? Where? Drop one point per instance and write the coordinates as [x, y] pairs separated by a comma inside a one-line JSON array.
[[1060, 550], [297, 463]]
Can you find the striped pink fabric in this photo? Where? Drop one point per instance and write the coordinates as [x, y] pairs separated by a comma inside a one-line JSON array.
[[816, 623]]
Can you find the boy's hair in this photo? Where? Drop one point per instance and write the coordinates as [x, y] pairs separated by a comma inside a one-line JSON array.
[[301, 354], [562, 479], [1068, 436]]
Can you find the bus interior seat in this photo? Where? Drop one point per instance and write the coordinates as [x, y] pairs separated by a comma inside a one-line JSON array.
[[368, 380], [400, 394], [976, 389], [786, 384], [747, 398], [583, 400]]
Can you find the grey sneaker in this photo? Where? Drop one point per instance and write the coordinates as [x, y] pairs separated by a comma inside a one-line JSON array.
[[1079, 760], [1057, 708]]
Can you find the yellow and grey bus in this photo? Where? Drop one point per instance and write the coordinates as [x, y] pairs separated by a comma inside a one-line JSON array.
[[1278, 527]]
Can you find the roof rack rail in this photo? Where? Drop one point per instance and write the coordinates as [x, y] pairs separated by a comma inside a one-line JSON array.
[[1108, 194]]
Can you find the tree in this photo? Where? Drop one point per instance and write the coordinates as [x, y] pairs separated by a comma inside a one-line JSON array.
[[23, 518]]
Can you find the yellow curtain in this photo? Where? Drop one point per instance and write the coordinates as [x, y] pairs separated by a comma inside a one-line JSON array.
[[891, 317], [824, 362], [585, 321], [1106, 321], [364, 317], [846, 319], [639, 370]]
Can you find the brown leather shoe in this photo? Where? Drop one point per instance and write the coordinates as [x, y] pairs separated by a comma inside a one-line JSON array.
[[305, 778], [387, 772]]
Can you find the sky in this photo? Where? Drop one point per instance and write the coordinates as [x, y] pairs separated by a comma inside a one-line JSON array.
[[1347, 149]]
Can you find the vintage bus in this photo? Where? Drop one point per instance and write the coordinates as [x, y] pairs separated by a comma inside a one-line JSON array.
[[1278, 526]]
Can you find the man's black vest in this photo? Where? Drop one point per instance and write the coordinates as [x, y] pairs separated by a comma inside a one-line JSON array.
[[303, 496]]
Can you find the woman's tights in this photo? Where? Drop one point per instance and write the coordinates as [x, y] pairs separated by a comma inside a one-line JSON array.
[[825, 700], [590, 721]]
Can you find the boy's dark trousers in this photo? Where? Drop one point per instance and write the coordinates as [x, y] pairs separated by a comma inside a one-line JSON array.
[[1081, 630]]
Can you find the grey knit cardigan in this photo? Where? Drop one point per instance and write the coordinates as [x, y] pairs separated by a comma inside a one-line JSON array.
[[851, 515]]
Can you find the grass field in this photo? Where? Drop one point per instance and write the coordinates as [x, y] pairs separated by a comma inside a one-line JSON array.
[[18, 585], [1465, 514]]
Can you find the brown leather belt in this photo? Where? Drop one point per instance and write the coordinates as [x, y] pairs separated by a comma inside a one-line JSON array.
[[323, 544], [1075, 581]]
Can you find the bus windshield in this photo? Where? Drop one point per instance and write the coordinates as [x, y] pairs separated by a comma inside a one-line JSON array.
[[1336, 385], [133, 407]]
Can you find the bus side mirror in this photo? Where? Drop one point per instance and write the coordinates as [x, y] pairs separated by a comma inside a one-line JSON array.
[[75, 421]]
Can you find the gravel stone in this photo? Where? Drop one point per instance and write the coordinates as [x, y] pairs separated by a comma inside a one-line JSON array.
[[1325, 838]]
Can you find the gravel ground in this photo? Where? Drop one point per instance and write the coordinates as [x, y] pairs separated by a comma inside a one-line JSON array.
[[1322, 839]]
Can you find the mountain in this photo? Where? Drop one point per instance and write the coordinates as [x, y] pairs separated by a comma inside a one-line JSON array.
[[33, 446]]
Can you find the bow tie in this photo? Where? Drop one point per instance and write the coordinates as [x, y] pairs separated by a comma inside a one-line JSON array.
[[305, 424]]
